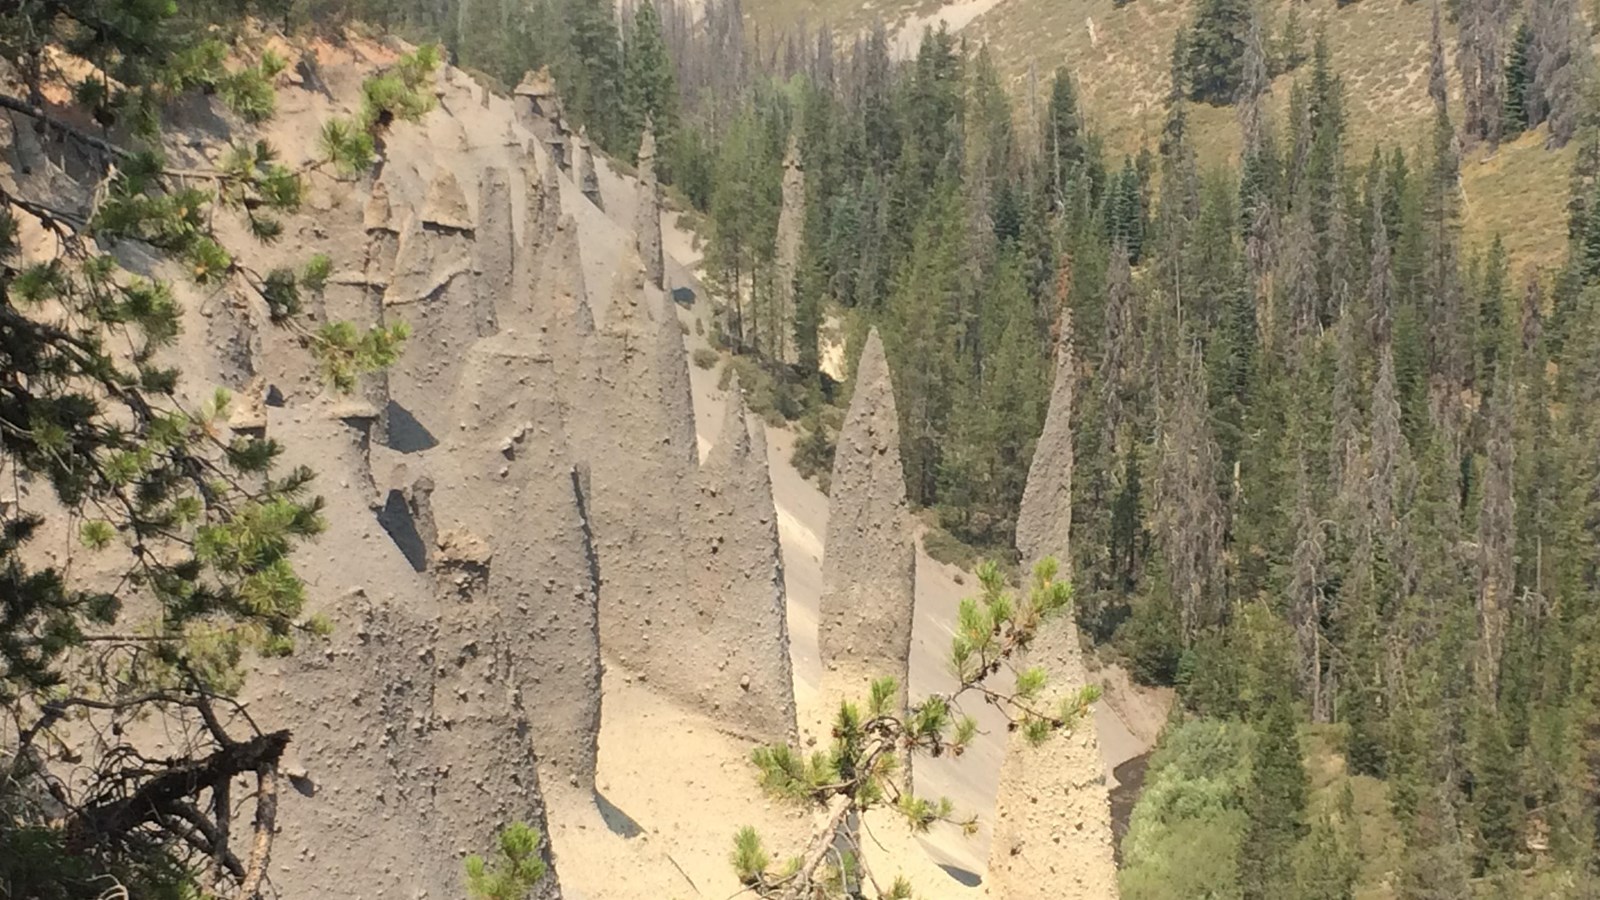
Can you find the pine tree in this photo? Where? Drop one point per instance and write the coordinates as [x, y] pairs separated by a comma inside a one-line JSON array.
[[1519, 81], [919, 337], [1494, 323], [1438, 82], [1496, 537], [1062, 150], [517, 867], [592, 77], [1435, 863], [1480, 59], [1216, 50], [1327, 861], [1188, 517], [1258, 181], [1497, 801], [1275, 802], [1306, 597], [1563, 66], [649, 84]]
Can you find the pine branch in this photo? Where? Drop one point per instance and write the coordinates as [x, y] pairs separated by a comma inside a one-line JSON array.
[[115, 820]]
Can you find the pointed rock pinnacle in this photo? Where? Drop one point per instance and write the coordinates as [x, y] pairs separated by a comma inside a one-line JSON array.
[[869, 567], [748, 635], [778, 332], [733, 442], [1044, 522], [647, 217], [588, 178], [1041, 787], [672, 361]]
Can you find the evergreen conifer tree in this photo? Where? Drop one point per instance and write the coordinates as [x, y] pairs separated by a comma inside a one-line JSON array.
[[649, 84], [1519, 81], [1216, 50], [1274, 801]]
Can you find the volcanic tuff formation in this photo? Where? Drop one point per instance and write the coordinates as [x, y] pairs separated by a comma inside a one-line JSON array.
[[588, 178], [869, 571], [1052, 832], [520, 494], [406, 720], [749, 634], [647, 216], [429, 289], [512, 490], [517, 495], [791, 227]]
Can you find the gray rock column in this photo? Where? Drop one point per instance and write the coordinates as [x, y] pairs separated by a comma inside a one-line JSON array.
[[791, 230], [652, 620], [647, 215], [407, 745], [588, 178], [1052, 832], [494, 250], [508, 485], [746, 649], [869, 563]]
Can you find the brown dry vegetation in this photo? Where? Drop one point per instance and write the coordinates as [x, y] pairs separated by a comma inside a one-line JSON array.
[[846, 16]]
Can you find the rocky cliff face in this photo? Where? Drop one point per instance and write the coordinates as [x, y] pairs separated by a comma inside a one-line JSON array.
[[518, 498]]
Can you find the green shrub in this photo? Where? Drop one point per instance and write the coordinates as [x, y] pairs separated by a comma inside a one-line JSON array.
[[1184, 837], [951, 550], [814, 448], [515, 870], [705, 357]]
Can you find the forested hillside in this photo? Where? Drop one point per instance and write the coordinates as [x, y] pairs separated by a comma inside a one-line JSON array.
[[1336, 460]]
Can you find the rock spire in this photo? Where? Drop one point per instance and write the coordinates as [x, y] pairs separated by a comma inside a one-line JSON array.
[[1052, 832], [510, 487], [588, 178], [494, 249], [407, 739], [779, 330], [737, 532], [647, 216], [869, 564]]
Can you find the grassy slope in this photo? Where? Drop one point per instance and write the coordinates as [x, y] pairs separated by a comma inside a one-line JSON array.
[[846, 16]]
